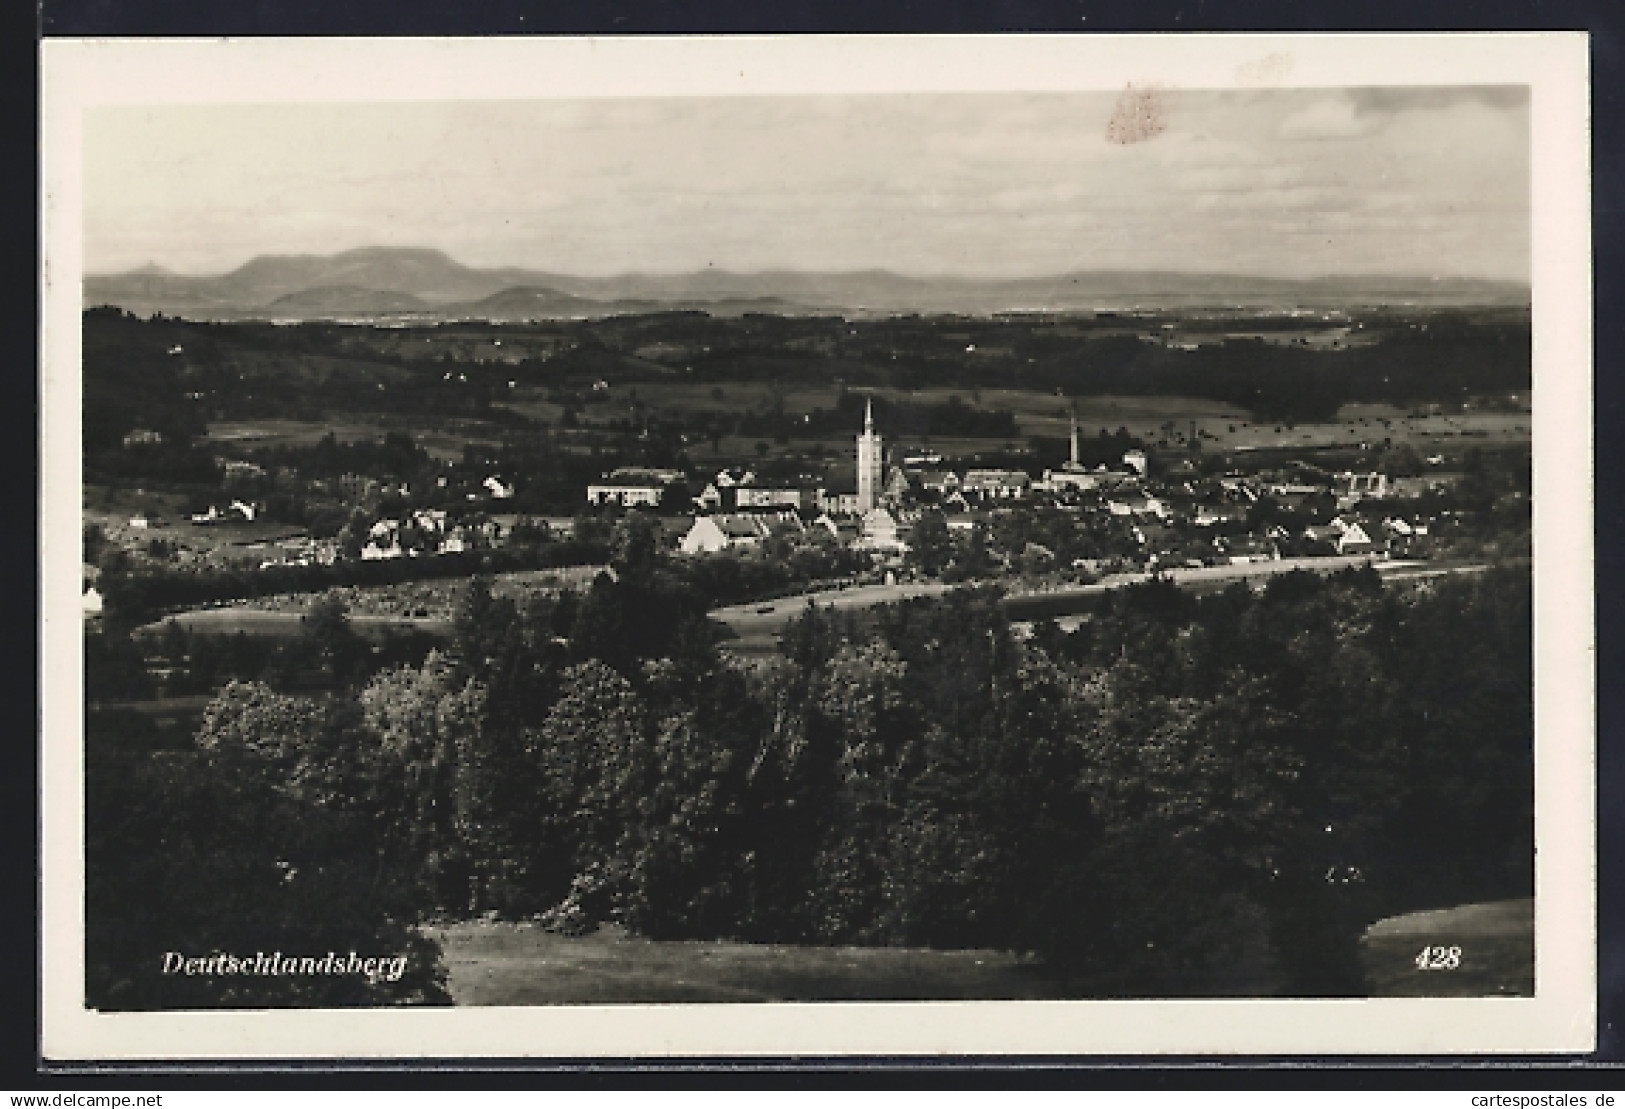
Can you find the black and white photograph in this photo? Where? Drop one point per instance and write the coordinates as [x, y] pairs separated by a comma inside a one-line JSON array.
[[906, 540]]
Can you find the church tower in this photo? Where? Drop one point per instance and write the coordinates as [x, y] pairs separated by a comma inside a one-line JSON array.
[[1077, 460], [869, 462]]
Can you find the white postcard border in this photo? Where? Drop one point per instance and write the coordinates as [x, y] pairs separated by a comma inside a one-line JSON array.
[[79, 74]]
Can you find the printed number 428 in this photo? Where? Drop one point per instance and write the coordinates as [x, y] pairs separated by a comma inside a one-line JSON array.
[[1438, 958]]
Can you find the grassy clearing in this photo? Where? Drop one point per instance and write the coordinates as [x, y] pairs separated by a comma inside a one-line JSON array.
[[1497, 942], [504, 963], [290, 433], [1222, 426], [224, 543], [446, 446], [432, 600], [251, 622], [498, 963], [766, 618]]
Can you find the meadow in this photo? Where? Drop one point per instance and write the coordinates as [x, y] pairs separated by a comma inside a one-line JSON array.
[[520, 963], [491, 962]]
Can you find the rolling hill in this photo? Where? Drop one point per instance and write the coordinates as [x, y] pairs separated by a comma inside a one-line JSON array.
[[388, 280], [348, 300]]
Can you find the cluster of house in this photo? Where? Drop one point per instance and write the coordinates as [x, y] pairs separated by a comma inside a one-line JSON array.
[[236, 511], [425, 531], [1169, 521]]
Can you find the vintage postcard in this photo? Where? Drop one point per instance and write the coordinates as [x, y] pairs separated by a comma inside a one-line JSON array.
[[827, 546]]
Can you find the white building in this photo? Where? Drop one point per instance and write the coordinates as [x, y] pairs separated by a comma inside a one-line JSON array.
[[1355, 540], [632, 486], [626, 494], [1357, 486], [999, 484], [870, 463], [762, 496], [880, 532], [710, 497], [733, 531]]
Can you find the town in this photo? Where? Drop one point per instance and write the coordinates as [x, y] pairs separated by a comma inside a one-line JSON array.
[[809, 547], [1064, 506], [543, 554]]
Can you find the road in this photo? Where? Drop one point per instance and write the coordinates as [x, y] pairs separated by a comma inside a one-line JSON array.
[[765, 617], [756, 625]]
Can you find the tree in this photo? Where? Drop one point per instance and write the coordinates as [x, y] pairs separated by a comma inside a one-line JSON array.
[[634, 545], [334, 646], [241, 846], [353, 535], [930, 544], [594, 762], [251, 721], [971, 557], [859, 704], [95, 540], [428, 787]]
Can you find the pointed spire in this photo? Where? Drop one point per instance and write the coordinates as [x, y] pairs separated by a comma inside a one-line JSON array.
[[869, 415]]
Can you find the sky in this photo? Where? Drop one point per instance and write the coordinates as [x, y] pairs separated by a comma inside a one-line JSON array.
[[1271, 182]]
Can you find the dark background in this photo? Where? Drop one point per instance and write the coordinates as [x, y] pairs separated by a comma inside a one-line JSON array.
[[209, 18]]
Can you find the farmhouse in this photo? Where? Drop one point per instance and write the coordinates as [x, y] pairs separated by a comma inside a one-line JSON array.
[[1412, 487], [632, 486], [710, 498], [1357, 486], [1355, 540], [880, 532], [236, 470], [941, 482], [1144, 507], [839, 494], [1209, 515], [734, 530], [765, 496], [1250, 549], [996, 484]]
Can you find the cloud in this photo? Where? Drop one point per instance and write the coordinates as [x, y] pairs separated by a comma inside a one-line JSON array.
[[1331, 118], [1401, 99]]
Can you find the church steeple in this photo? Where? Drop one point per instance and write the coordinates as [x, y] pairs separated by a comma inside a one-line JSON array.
[[871, 468]]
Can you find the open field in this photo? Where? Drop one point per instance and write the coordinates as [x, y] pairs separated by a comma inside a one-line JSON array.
[[1152, 419], [765, 619], [758, 625], [1037, 603], [505, 963], [499, 963], [231, 621], [446, 446], [1497, 942], [426, 606], [290, 433], [225, 542]]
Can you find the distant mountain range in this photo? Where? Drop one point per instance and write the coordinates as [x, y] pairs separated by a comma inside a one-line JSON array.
[[389, 283]]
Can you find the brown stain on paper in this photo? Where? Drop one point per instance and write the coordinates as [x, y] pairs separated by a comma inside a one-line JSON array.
[[1140, 115]]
